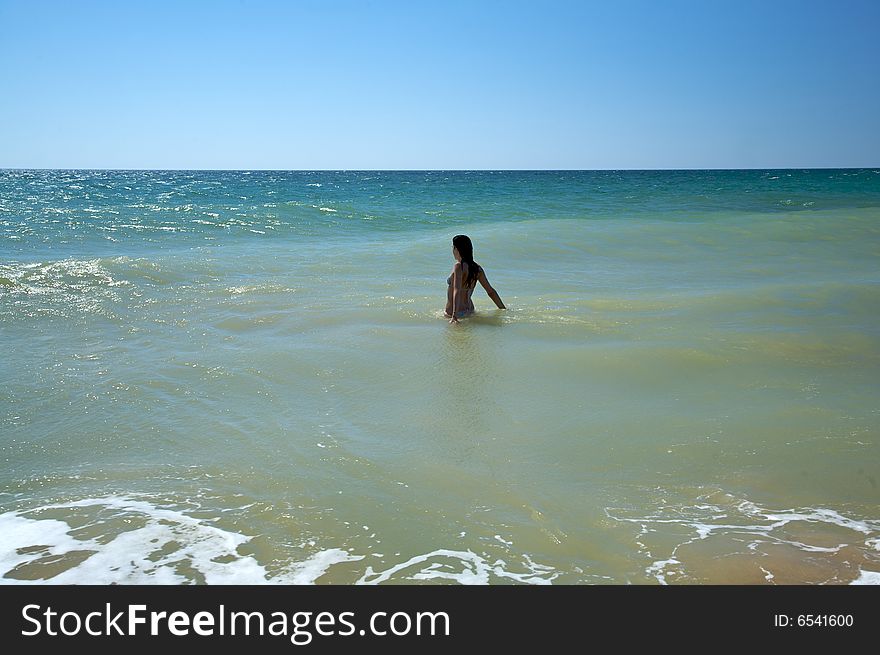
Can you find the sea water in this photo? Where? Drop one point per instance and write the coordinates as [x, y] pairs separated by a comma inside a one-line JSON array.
[[240, 377]]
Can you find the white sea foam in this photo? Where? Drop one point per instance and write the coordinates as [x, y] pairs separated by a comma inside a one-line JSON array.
[[462, 566], [308, 571], [167, 547], [658, 569], [867, 577], [123, 540], [750, 524]]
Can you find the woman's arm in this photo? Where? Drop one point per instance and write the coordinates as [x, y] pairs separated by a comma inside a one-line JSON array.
[[490, 291]]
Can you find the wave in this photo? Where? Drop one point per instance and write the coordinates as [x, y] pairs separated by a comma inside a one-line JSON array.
[[722, 538], [126, 540]]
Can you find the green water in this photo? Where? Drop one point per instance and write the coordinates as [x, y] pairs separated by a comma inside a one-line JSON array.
[[247, 377]]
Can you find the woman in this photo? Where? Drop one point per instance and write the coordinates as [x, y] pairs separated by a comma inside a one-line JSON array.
[[463, 281]]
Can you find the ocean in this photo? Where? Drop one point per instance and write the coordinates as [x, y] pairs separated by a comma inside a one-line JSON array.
[[247, 377]]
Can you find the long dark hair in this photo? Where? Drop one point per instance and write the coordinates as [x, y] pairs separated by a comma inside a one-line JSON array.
[[466, 250]]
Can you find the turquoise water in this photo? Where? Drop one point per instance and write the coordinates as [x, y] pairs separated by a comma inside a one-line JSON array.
[[247, 377]]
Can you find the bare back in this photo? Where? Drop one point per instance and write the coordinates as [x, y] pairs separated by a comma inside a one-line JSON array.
[[463, 298]]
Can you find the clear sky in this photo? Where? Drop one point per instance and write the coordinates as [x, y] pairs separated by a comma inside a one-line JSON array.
[[473, 84]]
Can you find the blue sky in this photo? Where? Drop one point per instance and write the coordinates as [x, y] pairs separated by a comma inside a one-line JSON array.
[[324, 84]]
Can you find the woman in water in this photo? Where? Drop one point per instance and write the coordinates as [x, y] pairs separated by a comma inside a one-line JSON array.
[[463, 281]]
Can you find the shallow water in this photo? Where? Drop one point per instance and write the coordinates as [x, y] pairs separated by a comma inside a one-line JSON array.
[[246, 376]]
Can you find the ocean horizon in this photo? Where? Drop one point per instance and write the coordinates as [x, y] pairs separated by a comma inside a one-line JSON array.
[[438, 170]]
